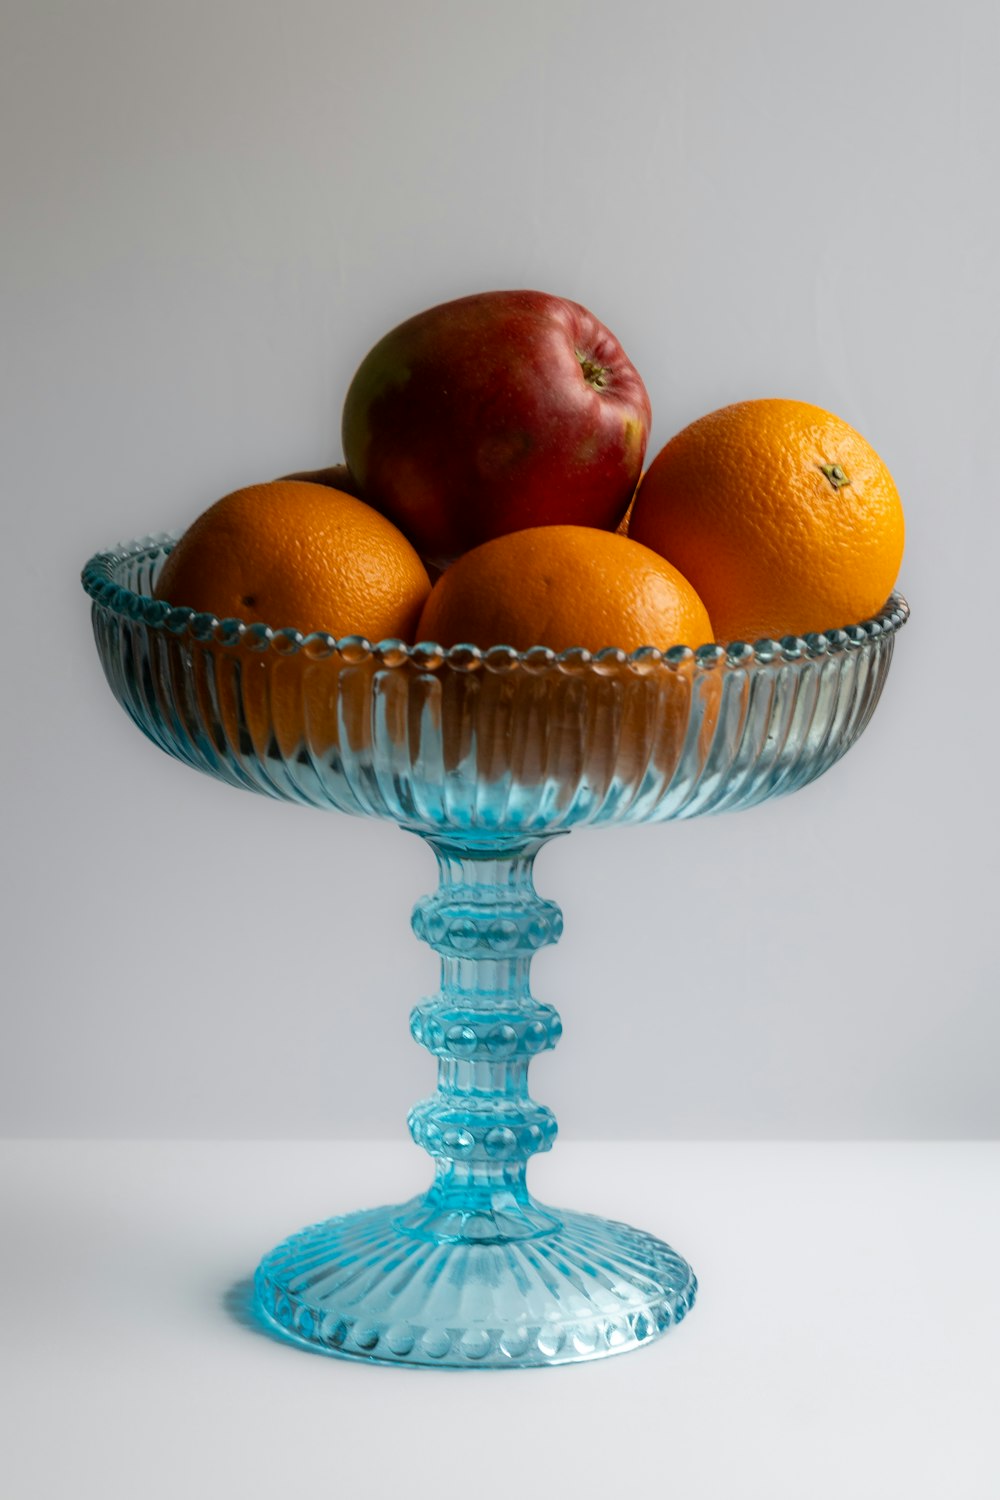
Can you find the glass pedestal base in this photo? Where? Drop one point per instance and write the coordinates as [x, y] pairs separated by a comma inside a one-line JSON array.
[[523, 1285]]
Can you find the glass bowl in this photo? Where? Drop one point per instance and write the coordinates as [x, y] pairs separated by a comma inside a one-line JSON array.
[[486, 755]]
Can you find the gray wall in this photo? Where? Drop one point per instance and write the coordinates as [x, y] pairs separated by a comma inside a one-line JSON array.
[[211, 211]]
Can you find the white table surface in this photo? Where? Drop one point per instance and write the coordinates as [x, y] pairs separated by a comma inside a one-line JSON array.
[[845, 1344]]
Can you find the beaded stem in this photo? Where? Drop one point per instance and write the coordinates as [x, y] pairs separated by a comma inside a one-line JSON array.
[[486, 921]]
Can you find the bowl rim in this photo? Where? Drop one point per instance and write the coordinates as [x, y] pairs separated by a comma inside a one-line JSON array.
[[178, 620]]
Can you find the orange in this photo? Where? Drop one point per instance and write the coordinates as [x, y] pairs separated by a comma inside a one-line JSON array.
[[339, 477], [784, 519], [563, 586], [291, 553]]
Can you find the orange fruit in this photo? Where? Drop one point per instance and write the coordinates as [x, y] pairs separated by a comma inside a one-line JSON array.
[[291, 553], [562, 586], [784, 519], [339, 477]]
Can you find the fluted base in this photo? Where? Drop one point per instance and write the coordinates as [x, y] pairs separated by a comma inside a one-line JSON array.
[[377, 1286]]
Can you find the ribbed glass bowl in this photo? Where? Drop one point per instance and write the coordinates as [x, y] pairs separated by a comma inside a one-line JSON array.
[[486, 754], [480, 743]]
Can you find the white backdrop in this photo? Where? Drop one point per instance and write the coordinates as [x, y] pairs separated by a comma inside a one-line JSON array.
[[211, 211]]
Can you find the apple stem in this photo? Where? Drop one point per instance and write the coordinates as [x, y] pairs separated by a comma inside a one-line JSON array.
[[593, 373]]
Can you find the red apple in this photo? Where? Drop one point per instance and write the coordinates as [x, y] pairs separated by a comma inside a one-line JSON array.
[[492, 414]]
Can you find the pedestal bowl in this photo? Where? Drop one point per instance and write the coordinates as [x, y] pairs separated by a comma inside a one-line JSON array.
[[485, 755]]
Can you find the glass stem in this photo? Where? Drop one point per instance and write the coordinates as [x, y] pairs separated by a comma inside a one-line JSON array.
[[486, 921]]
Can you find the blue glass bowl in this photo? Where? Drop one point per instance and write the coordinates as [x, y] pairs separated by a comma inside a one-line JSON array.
[[486, 754]]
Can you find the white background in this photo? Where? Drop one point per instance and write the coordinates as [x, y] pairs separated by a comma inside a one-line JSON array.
[[211, 211]]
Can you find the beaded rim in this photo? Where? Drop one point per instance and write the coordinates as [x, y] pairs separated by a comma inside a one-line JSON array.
[[99, 582]]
